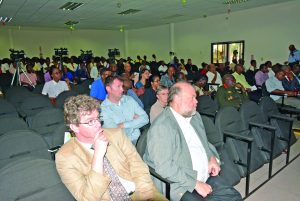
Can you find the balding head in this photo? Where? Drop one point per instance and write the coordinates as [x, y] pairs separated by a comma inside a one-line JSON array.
[[182, 99]]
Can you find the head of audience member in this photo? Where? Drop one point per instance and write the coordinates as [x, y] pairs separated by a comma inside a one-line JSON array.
[[145, 74], [127, 84], [241, 61], [228, 80], [182, 61], [113, 67], [295, 69], [292, 48], [276, 68], [182, 99], [268, 64], [29, 68], [55, 74], [162, 95], [171, 71], [280, 75], [65, 69], [189, 61], [181, 77], [104, 73], [114, 88], [127, 68], [154, 81], [263, 68], [239, 69], [82, 115], [288, 72], [212, 68], [202, 81], [253, 63]]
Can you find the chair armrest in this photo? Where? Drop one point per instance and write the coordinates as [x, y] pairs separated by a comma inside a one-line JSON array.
[[236, 136], [280, 117], [54, 149], [263, 126], [156, 175], [290, 110]]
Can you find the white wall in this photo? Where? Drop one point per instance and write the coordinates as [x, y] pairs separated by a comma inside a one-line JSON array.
[[30, 39], [267, 32]]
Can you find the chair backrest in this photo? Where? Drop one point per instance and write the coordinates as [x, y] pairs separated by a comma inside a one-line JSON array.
[[228, 118], [38, 89], [142, 142], [12, 123], [32, 180], [16, 95], [264, 91], [7, 109], [22, 143], [60, 99], [250, 112], [213, 136], [34, 104], [207, 105], [46, 122], [268, 106]]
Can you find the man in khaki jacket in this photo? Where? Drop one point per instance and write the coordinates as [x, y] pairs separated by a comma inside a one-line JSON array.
[[81, 162]]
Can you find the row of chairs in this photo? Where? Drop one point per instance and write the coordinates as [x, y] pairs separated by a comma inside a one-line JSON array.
[[245, 139]]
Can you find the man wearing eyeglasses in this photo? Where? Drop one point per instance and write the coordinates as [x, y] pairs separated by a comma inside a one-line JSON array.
[[100, 164]]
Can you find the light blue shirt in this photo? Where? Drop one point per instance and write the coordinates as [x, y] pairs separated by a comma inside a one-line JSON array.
[[133, 95], [124, 112], [272, 84], [295, 57]]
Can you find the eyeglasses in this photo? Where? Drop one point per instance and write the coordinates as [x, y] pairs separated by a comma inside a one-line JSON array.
[[92, 122]]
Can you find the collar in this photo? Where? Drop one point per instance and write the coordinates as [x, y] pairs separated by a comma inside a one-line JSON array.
[[179, 117]]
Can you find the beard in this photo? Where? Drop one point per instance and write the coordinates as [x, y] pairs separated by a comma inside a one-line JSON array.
[[188, 114]]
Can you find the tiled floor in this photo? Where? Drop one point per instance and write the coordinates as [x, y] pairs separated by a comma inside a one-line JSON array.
[[285, 186]]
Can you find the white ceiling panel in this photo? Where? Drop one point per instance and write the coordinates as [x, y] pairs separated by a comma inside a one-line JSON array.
[[103, 14]]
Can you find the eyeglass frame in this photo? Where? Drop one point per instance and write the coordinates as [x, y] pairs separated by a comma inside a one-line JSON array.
[[89, 123]]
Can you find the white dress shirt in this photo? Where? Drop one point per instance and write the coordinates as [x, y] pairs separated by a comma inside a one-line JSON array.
[[197, 151]]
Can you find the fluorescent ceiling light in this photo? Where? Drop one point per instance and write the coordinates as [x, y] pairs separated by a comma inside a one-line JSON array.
[[71, 6], [5, 19], [129, 11], [234, 1]]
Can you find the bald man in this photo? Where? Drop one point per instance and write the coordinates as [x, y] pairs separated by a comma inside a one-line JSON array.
[[188, 159]]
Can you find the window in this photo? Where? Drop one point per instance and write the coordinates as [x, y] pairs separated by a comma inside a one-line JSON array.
[[222, 52]]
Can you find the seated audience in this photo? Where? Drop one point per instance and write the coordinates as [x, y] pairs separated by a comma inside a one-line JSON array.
[[214, 77], [54, 87], [66, 75], [168, 79], [290, 82], [231, 93], [28, 80], [162, 100], [100, 164], [274, 86], [140, 85], [261, 75], [149, 96], [201, 86], [250, 73], [122, 111], [178, 150], [128, 90], [81, 73], [97, 88]]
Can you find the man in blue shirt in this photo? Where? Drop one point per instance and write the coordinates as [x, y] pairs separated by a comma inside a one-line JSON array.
[[294, 56], [122, 111]]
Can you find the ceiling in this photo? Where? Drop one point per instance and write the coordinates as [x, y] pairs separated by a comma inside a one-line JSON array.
[[103, 14]]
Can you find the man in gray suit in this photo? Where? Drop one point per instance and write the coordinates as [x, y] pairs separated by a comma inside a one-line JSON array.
[[177, 148]]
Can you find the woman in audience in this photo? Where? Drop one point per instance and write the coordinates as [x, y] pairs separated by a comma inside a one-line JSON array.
[[162, 100], [168, 79], [28, 80], [66, 74], [140, 85], [149, 97]]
